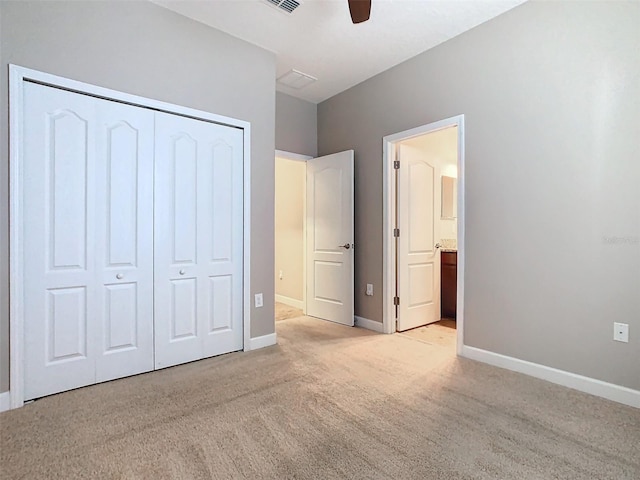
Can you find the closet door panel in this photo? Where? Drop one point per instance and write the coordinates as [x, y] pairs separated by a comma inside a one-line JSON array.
[[58, 228], [198, 239], [175, 247], [124, 186], [221, 213]]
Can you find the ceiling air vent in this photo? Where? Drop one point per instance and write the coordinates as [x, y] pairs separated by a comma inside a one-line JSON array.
[[285, 5], [296, 79]]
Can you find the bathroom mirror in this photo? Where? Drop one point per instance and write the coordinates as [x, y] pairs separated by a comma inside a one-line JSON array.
[[449, 197]]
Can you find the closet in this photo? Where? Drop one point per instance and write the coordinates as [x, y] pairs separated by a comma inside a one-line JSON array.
[[133, 230]]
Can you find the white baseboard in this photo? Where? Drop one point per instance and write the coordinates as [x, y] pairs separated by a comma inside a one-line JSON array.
[[368, 324], [292, 302], [5, 401], [599, 388], [263, 341]]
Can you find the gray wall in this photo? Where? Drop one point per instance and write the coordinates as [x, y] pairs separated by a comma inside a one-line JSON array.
[[143, 49], [550, 93], [296, 125]]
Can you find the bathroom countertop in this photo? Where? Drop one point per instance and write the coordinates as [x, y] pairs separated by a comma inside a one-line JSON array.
[[449, 250]]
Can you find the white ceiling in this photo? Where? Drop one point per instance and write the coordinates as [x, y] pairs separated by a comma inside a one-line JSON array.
[[319, 39]]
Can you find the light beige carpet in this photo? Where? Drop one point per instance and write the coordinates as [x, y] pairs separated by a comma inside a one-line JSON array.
[[329, 402], [285, 312]]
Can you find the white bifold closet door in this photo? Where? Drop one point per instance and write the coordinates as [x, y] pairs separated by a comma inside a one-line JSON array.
[[133, 235], [198, 239], [88, 211]]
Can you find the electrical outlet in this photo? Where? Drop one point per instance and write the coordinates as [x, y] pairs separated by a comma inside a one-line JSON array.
[[621, 332], [369, 290], [258, 300]]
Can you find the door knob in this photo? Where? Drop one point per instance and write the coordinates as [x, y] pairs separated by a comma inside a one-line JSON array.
[[438, 246], [346, 246], [119, 276], [182, 272]]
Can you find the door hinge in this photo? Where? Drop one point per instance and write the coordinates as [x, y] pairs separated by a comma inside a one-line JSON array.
[[396, 301], [396, 232], [396, 164]]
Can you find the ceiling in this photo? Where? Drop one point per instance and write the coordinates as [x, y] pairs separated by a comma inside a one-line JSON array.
[[319, 39]]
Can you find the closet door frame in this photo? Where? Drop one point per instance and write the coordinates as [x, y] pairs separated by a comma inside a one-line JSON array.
[[17, 77]]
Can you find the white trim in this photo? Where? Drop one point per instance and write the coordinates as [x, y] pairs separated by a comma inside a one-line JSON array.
[[368, 324], [461, 237], [292, 302], [22, 73], [263, 341], [304, 244], [301, 158], [16, 365], [592, 386], [388, 214], [246, 275], [292, 156], [5, 401], [388, 221], [17, 76]]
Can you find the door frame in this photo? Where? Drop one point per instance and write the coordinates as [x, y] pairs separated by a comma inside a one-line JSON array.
[[17, 76], [300, 158], [389, 146]]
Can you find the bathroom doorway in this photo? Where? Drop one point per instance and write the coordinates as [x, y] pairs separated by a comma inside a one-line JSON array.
[[423, 234]]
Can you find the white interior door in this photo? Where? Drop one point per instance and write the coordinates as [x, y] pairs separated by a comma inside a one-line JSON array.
[[124, 240], [59, 230], [87, 204], [418, 259], [330, 237], [198, 239]]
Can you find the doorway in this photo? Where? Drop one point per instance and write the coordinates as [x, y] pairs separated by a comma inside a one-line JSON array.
[[423, 189], [314, 236], [290, 235]]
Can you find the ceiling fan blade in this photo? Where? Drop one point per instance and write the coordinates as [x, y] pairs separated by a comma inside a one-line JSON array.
[[360, 10]]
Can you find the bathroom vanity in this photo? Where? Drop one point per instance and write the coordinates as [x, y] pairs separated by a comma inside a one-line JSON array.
[[448, 282]]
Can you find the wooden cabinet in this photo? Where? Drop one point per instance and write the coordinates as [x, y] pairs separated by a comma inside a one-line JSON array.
[[448, 283]]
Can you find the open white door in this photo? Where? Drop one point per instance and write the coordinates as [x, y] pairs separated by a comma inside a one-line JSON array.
[[330, 237], [418, 258]]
